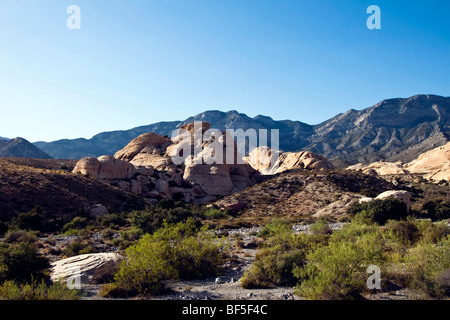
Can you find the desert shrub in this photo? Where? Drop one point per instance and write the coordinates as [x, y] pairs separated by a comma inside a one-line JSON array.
[[77, 247], [112, 220], [32, 220], [21, 262], [337, 271], [437, 210], [284, 251], [153, 218], [173, 251], [432, 232], [405, 231], [20, 236], [11, 290], [131, 235], [274, 227], [77, 223], [213, 213], [273, 268], [429, 266], [107, 234], [320, 227], [379, 211]]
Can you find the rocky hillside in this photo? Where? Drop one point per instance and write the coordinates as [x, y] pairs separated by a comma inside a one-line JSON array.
[[20, 147], [394, 129], [49, 184]]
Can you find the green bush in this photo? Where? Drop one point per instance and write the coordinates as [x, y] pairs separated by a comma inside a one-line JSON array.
[[337, 271], [19, 236], [379, 211], [153, 218], [172, 252], [406, 232], [275, 227], [76, 224], [213, 213], [428, 267], [273, 269], [112, 220], [284, 252], [32, 220], [10, 290], [320, 227], [437, 210], [21, 262], [77, 247]]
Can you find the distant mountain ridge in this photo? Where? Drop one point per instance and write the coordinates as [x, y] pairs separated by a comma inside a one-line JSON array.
[[394, 129], [22, 148]]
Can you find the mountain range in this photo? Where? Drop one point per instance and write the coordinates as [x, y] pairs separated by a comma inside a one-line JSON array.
[[392, 130]]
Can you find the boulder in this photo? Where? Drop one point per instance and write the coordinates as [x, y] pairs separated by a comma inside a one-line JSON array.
[[98, 210], [105, 167], [146, 150], [402, 195], [88, 166], [115, 169], [83, 265], [268, 162]]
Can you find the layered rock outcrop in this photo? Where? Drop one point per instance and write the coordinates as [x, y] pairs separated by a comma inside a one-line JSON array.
[[146, 165], [433, 164], [270, 162]]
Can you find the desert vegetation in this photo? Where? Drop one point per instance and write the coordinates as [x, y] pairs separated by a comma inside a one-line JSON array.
[[168, 241]]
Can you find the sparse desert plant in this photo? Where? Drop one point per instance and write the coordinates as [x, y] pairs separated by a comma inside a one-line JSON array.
[[437, 210], [107, 234], [337, 271], [11, 290], [21, 262], [273, 268], [174, 251], [213, 213], [77, 247], [406, 231], [320, 227], [31, 220], [76, 224], [20, 236], [429, 266]]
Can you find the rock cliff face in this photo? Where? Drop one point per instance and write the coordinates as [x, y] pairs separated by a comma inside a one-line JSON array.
[[434, 164], [145, 166], [392, 130]]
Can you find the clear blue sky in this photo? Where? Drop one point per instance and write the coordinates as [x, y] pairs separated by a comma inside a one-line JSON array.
[[138, 62]]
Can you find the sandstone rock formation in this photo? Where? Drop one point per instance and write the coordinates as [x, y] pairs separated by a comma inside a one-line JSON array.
[[433, 164], [147, 150], [82, 265], [146, 165], [268, 162]]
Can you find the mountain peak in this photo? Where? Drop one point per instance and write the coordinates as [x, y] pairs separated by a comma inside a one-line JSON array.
[[20, 147]]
